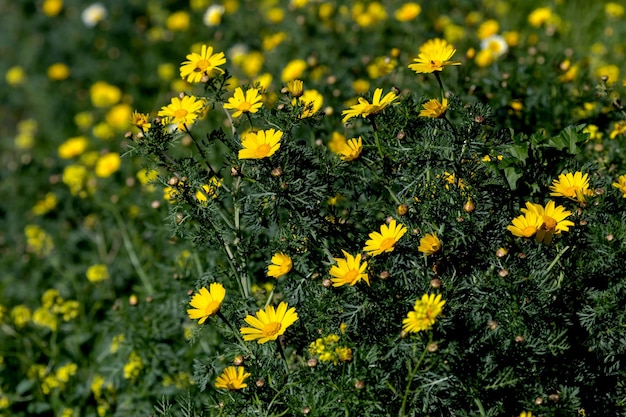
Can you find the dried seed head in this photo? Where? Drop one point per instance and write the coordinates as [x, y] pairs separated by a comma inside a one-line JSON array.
[[404, 334], [503, 272], [327, 283], [311, 363], [519, 339], [358, 384], [234, 171], [306, 410], [554, 397], [501, 252], [435, 283], [260, 383], [492, 324], [538, 401], [469, 206], [432, 347], [238, 361], [172, 181], [384, 275], [277, 172], [402, 209], [609, 237]]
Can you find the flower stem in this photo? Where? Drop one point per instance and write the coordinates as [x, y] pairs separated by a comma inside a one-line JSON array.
[[411, 375], [282, 355], [234, 330]]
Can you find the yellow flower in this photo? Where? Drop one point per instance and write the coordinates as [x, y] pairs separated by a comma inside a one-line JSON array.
[[385, 240], [269, 323], [429, 244], [206, 303], [573, 186], [310, 102], [104, 95], [118, 117], [408, 11], [614, 10], [108, 164], [208, 190], [621, 184], [213, 15], [551, 220], [434, 108], [52, 7], [182, 111], [293, 70], [295, 87], [58, 71], [178, 21], [434, 55], [133, 367], [619, 128], [352, 149], [44, 205], [487, 28], [93, 14], [539, 16], [75, 177], [337, 142], [21, 315], [15, 76], [281, 265], [611, 72], [365, 108], [250, 103], [349, 270], [97, 273], [525, 225], [203, 64], [424, 313], [526, 414], [232, 378], [37, 240], [495, 44], [141, 121], [381, 66], [261, 144]]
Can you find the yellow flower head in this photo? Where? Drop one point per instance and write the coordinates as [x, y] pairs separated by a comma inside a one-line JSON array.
[[281, 265], [621, 184], [424, 313], [526, 414], [104, 95], [206, 303], [141, 120], [183, 111], [385, 240], [97, 273], [408, 11], [349, 270], [232, 378], [434, 108], [551, 220], [429, 244], [204, 64], [250, 103], [208, 190], [352, 149], [295, 87], [261, 144], [337, 142], [434, 55], [364, 108], [310, 102], [525, 225], [108, 164], [73, 147], [269, 323], [573, 186], [293, 70]]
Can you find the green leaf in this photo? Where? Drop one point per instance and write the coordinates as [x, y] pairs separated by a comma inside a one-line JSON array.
[[512, 175]]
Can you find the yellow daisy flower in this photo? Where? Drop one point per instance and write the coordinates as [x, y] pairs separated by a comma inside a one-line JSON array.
[[281, 265], [310, 102], [621, 184], [525, 225], [269, 323], [349, 270], [352, 149], [385, 240], [206, 303], [424, 313], [433, 56], [208, 190], [183, 111], [434, 108], [140, 120], [429, 244], [232, 378], [199, 65], [250, 103], [261, 144], [573, 186], [552, 220], [364, 108]]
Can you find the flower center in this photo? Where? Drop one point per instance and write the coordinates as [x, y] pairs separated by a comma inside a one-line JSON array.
[[212, 308], [570, 192], [549, 223], [180, 114], [262, 150], [271, 329], [201, 65], [387, 244], [351, 276], [245, 106]]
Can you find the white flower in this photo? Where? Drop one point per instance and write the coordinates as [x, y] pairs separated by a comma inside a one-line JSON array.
[[213, 15], [495, 44], [93, 14]]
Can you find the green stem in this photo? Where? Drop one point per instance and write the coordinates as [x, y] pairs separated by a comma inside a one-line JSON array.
[[375, 128], [282, 355], [234, 330], [134, 260], [411, 375], [442, 91]]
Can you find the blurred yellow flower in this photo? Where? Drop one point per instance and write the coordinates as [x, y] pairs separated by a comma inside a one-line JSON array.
[[83, 120], [52, 7], [273, 40], [97, 273], [133, 367], [381, 66], [434, 55], [104, 95], [495, 44], [337, 142], [310, 102], [21, 315], [434, 108], [43, 317], [75, 177], [58, 71], [281, 265], [15, 76], [44, 205], [293, 70], [429, 244], [621, 184], [253, 63], [366, 16], [269, 323], [178, 21], [365, 108], [386, 240], [539, 16], [213, 15], [407, 12], [573, 186], [248, 103], [73, 147], [487, 28], [349, 270], [275, 15], [37, 240], [204, 64], [206, 302], [183, 111], [619, 128], [118, 116], [93, 14], [232, 378], [424, 313], [108, 164], [261, 144], [360, 86], [611, 72], [614, 10], [208, 190]]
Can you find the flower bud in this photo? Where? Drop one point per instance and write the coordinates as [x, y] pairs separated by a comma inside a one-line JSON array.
[[402, 209], [133, 300], [493, 325], [503, 272], [277, 172], [384, 275], [519, 339], [435, 283], [311, 363], [432, 347], [469, 206], [327, 283], [238, 361], [172, 181], [538, 401], [501, 252], [554, 397], [306, 410], [358, 384], [260, 383]]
